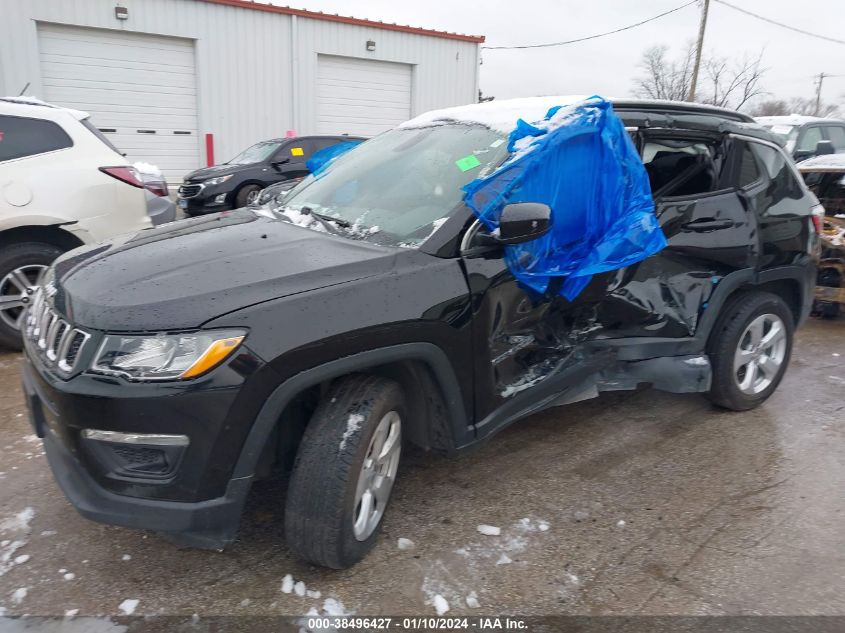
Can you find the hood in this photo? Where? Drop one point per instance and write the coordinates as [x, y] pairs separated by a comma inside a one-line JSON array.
[[185, 273], [215, 170]]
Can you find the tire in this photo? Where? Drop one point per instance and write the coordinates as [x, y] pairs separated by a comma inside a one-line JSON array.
[[244, 195], [755, 329], [323, 499], [19, 261]]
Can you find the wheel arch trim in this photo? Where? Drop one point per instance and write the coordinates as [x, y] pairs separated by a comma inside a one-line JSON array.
[[275, 404]]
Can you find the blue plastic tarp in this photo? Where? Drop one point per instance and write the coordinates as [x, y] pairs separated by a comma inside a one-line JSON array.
[[320, 159], [580, 161]]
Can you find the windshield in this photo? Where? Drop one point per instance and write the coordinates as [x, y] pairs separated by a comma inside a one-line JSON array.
[[256, 153], [397, 188]]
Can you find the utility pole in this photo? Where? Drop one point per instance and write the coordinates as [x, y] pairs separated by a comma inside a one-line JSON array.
[[702, 25], [821, 77]]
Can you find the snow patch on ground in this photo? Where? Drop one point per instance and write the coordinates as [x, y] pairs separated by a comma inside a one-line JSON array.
[[405, 544], [472, 600], [287, 584], [353, 423], [71, 613], [489, 530], [504, 559], [18, 522], [19, 594], [441, 605], [128, 606], [17, 526]]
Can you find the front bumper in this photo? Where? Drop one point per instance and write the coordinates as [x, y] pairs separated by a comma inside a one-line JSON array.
[[206, 201], [185, 506]]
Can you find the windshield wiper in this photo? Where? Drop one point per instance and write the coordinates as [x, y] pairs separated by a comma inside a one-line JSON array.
[[328, 218], [327, 221]]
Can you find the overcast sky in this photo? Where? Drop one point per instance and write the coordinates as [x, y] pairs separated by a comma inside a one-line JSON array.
[[608, 66]]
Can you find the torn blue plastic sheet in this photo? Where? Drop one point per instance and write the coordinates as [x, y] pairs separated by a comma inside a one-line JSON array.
[[321, 159], [580, 161]]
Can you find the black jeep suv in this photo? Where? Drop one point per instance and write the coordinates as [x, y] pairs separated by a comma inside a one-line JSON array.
[[168, 370]]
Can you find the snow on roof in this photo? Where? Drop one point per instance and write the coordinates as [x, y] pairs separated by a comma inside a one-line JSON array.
[[826, 162], [499, 115], [502, 114], [35, 101], [789, 119]]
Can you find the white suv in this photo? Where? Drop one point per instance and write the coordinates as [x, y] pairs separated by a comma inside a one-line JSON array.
[[62, 185]]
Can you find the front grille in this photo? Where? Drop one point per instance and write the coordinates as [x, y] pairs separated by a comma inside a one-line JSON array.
[[55, 340], [189, 191]]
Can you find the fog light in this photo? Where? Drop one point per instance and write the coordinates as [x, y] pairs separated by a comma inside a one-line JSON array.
[[134, 455], [220, 199]]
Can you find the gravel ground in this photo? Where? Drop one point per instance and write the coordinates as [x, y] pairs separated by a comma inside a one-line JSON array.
[[634, 503]]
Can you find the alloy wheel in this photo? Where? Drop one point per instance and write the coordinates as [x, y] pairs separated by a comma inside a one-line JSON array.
[[16, 290], [378, 472], [760, 354]]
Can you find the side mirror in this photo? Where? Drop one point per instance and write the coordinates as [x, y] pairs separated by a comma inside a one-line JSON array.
[[524, 221], [280, 162], [825, 147]]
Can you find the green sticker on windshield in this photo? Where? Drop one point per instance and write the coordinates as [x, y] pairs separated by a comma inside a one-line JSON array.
[[467, 162]]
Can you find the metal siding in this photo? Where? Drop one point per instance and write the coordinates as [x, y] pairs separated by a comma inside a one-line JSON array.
[[361, 97], [243, 57]]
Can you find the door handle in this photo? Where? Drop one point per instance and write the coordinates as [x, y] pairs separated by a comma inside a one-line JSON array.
[[707, 224]]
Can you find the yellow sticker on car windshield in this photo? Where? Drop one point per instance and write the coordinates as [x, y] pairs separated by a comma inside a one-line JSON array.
[[296, 151]]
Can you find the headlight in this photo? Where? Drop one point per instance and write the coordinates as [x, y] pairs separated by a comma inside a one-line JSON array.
[[165, 356], [219, 180]]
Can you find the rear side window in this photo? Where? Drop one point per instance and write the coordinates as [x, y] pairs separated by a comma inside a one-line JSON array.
[[678, 167], [749, 170], [836, 134], [784, 184], [22, 136]]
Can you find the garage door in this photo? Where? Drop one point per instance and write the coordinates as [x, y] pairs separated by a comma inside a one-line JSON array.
[[140, 90], [361, 96]]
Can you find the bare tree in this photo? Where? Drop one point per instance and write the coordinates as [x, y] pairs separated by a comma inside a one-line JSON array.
[[733, 85], [663, 78], [771, 107], [807, 105], [730, 85]]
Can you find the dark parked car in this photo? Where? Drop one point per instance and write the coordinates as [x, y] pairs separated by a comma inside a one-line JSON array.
[[237, 183], [825, 176], [168, 371], [807, 136]]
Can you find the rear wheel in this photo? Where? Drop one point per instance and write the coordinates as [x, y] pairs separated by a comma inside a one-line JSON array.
[[246, 195], [344, 471], [21, 266], [750, 350]]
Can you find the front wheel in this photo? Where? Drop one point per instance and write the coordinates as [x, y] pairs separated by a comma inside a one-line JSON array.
[[750, 350], [246, 195], [344, 471]]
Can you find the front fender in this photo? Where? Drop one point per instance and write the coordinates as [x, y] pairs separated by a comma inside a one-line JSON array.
[[434, 357]]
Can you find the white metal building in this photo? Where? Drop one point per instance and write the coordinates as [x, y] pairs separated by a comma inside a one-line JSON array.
[[177, 82]]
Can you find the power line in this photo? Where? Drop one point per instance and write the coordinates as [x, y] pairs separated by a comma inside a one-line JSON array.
[[781, 24], [592, 37]]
